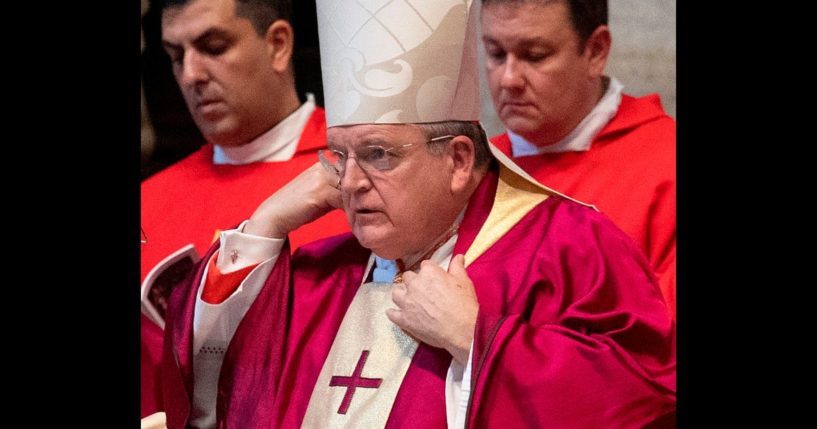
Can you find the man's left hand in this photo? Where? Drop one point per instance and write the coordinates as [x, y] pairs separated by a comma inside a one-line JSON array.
[[438, 308]]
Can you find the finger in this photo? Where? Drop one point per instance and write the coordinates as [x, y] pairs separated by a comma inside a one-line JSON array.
[[457, 267], [430, 266], [398, 295], [396, 316], [330, 179], [319, 169], [427, 263], [334, 182], [408, 277]]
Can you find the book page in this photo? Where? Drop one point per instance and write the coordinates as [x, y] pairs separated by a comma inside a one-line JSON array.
[[154, 421], [159, 282]]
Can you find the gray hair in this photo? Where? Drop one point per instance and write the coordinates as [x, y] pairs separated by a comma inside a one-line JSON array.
[[472, 130]]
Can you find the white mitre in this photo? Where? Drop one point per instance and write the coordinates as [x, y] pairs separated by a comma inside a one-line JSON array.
[[399, 61]]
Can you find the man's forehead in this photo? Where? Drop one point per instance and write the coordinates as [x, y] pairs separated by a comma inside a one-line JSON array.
[[196, 17], [355, 135]]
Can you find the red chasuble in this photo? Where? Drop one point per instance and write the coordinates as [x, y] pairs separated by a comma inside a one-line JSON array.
[[194, 198], [572, 331], [628, 174]]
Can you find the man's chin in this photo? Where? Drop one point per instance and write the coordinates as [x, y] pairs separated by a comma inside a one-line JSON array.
[[222, 136], [520, 125], [378, 243]]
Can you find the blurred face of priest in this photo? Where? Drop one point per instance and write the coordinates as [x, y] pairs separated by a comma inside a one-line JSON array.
[[232, 66]]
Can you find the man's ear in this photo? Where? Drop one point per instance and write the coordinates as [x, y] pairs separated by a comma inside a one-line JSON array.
[[280, 40], [597, 49], [462, 152]]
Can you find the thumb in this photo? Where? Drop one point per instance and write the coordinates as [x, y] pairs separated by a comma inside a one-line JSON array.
[[457, 266], [396, 316]]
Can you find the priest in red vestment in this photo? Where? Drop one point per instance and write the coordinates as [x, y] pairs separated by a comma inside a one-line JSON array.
[[573, 129], [467, 295], [233, 65]]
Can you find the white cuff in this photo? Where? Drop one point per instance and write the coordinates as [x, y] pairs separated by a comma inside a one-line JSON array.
[[239, 250], [458, 391]]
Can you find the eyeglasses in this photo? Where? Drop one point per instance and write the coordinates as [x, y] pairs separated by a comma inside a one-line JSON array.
[[371, 157]]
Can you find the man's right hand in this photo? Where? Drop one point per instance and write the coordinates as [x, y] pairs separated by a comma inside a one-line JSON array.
[[307, 197]]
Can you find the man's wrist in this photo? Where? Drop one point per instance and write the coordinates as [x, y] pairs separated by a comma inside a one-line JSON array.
[[461, 351], [263, 230]]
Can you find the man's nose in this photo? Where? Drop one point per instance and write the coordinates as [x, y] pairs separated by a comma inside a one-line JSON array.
[[193, 68], [353, 177], [512, 73]]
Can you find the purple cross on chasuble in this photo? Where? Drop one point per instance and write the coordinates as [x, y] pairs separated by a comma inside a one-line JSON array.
[[365, 366], [353, 382]]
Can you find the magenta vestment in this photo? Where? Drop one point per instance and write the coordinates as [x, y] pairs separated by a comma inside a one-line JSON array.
[[572, 331]]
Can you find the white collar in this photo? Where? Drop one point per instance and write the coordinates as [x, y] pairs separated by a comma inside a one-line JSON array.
[[278, 143], [580, 139]]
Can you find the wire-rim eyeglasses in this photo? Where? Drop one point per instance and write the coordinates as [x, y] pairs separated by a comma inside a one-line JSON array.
[[369, 157]]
